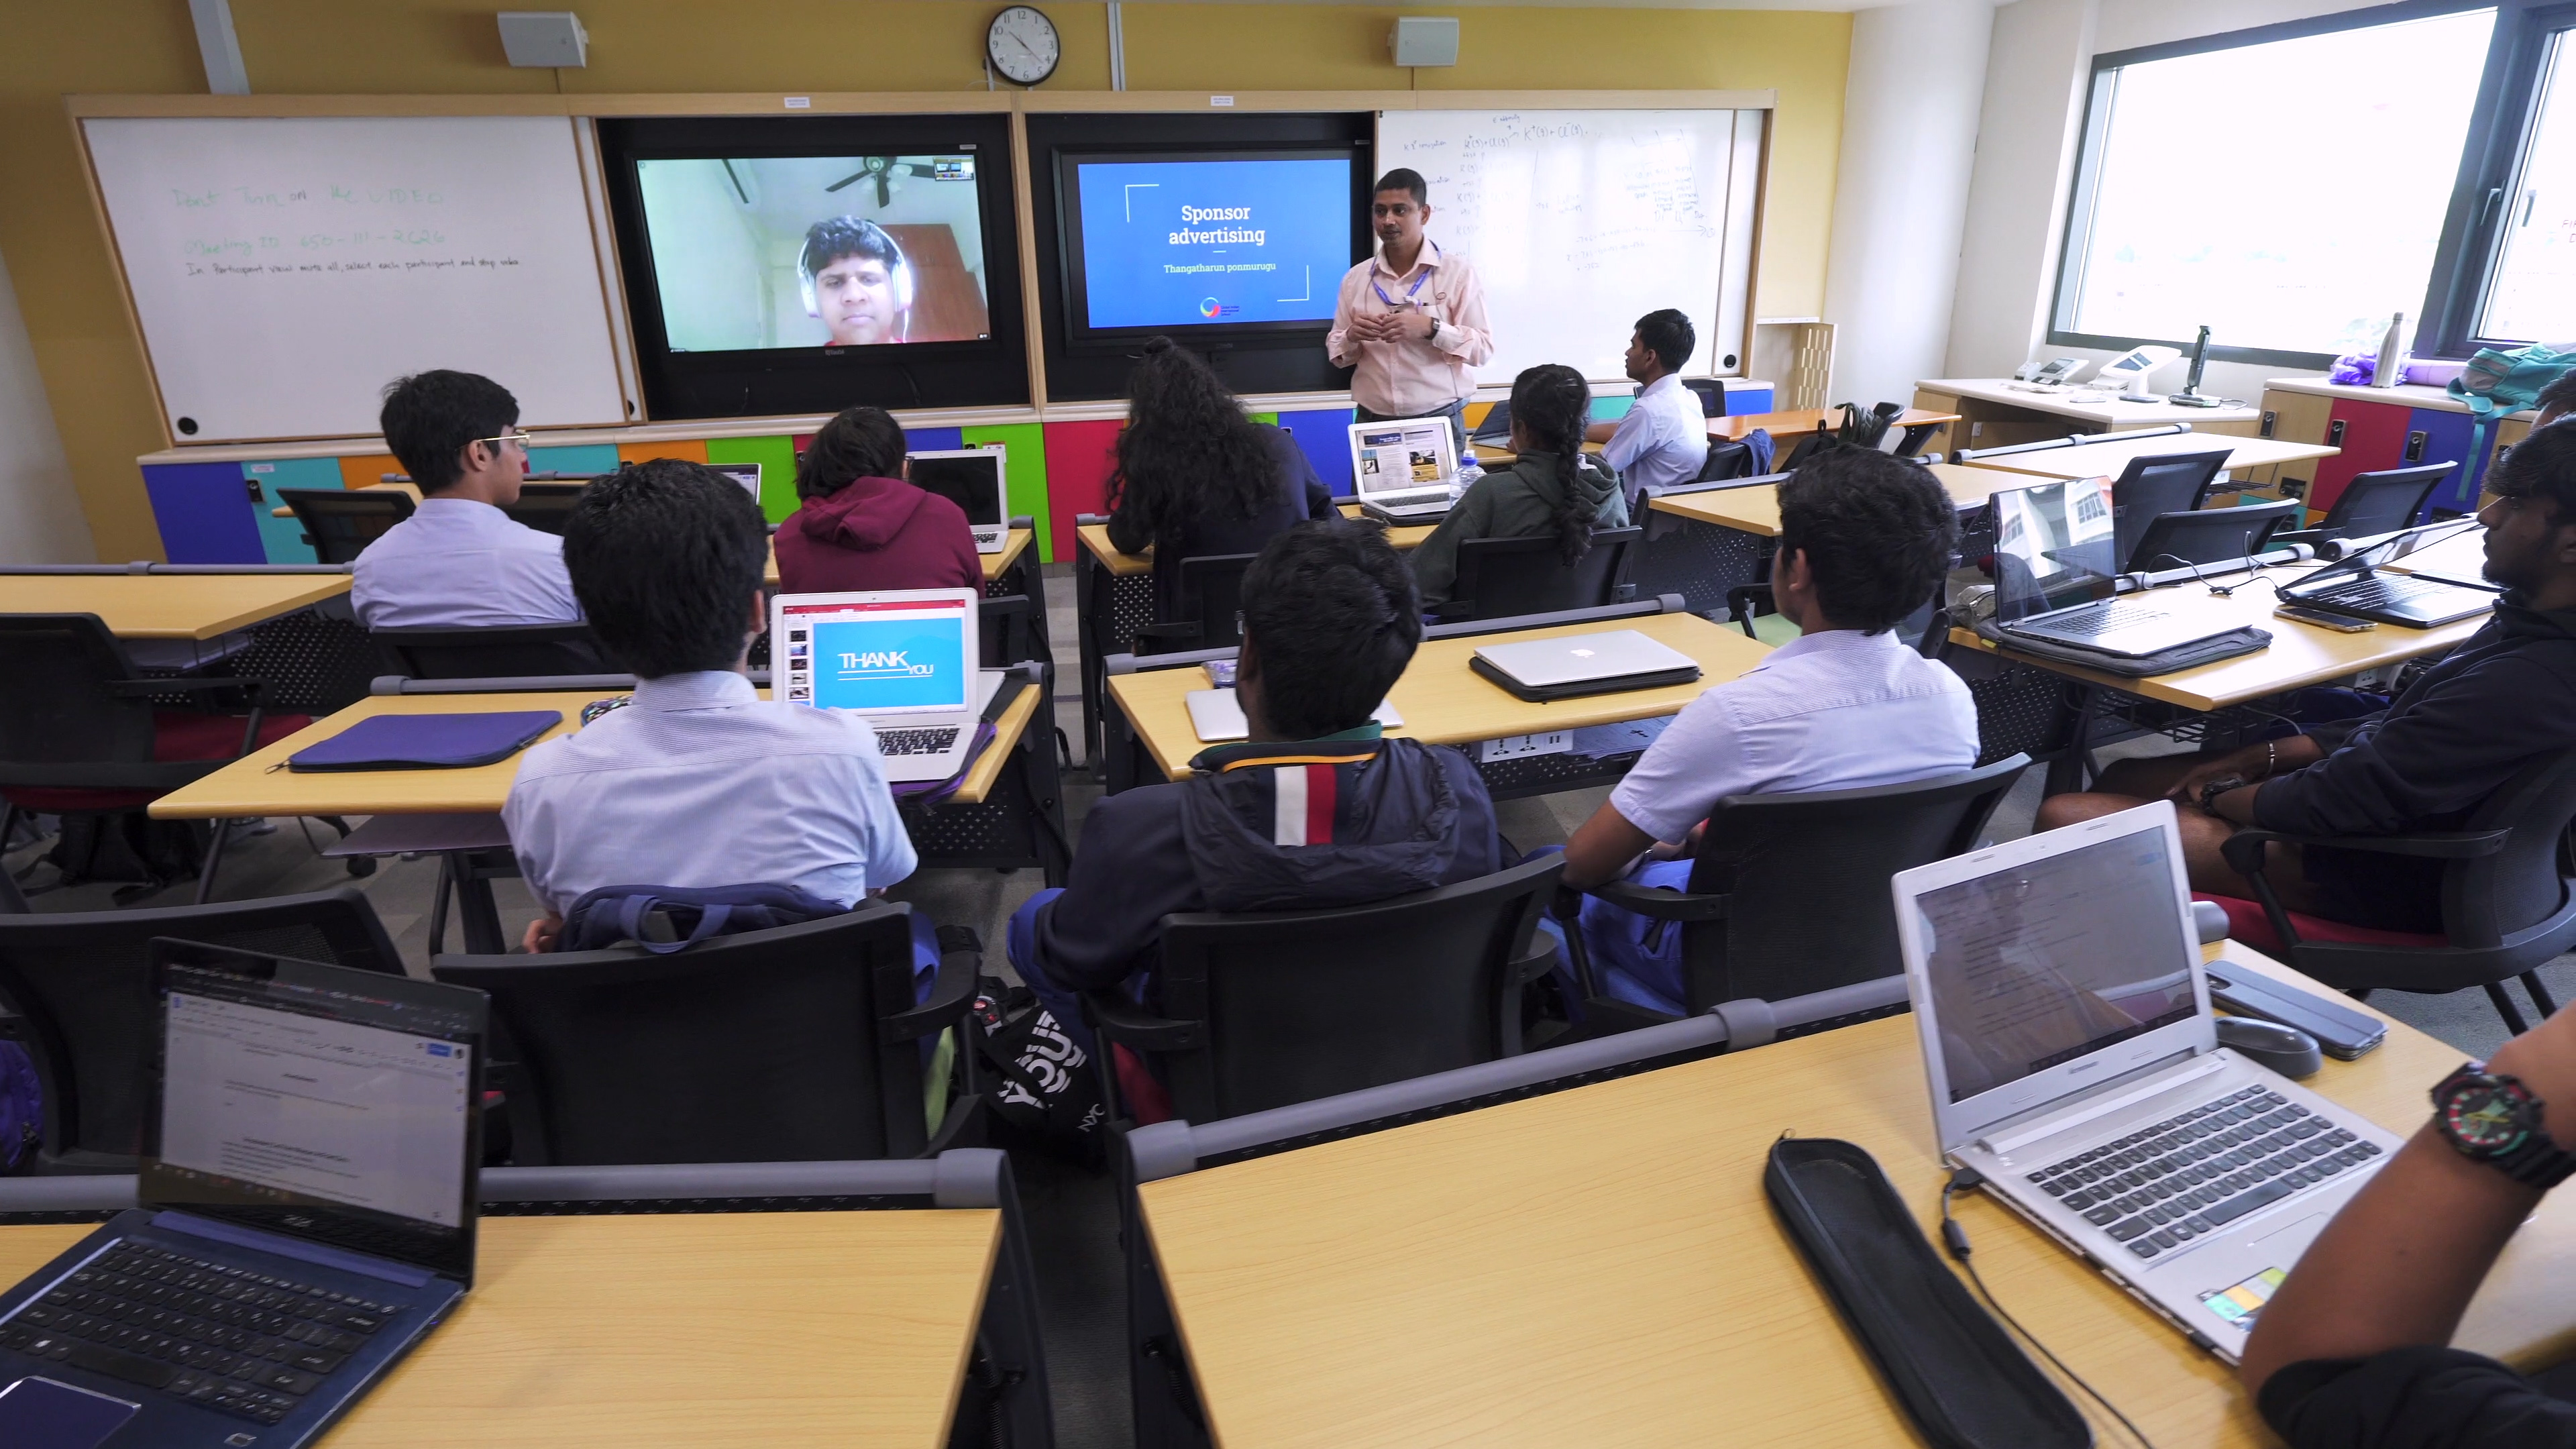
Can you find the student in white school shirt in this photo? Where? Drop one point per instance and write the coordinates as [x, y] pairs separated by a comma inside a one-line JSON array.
[[1864, 539], [1663, 439], [459, 562], [698, 783]]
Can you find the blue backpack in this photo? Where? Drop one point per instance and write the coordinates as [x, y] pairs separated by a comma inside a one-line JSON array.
[[663, 919]]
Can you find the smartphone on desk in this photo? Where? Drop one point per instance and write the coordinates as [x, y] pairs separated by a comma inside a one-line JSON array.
[[2340, 623], [2342, 1032]]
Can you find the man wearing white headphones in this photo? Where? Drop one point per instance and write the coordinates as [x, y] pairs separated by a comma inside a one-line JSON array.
[[856, 280]]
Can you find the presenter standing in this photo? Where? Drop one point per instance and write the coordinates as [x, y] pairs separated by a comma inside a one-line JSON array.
[[1411, 319]]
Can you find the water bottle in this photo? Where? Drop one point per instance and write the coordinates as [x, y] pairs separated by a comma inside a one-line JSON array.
[[1469, 470]]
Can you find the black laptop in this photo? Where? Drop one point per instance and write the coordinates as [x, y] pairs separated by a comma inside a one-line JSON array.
[[2359, 587], [308, 1194]]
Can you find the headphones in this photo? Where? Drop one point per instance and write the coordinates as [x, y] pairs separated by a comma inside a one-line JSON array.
[[897, 268]]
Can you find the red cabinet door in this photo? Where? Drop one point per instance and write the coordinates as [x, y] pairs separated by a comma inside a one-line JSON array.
[[2373, 437]]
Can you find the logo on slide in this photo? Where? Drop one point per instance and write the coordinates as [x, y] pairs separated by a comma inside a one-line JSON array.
[[1208, 307]]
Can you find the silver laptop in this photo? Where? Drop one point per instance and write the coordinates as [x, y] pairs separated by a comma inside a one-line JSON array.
[[1216, 716], [1403, 469], [1583, 658], [2067, 1034], [973, 479], [2055, 566], [902, 659], [747, 475]]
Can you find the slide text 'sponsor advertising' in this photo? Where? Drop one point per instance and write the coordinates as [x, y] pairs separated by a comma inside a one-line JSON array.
[[1213, 243]]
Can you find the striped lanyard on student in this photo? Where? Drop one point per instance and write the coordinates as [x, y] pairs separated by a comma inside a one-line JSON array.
[[1417, 282], [1304, 811]]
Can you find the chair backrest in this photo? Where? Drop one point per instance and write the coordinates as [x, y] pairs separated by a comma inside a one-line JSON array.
[[1712, 396], [762, 1047], [1500, 577], [1806, 876], [1305, 1004], [508, 651], [2385, 501], [1211, 595], [2488, 898], [1008, 630], [2151, 487], [56, 706], [1724, 461], [82, 982], [343, 521], [545, 506], [2213, 535]]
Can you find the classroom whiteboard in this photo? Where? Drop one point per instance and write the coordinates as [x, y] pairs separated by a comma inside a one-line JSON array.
[[1580, 222], [285, 270]]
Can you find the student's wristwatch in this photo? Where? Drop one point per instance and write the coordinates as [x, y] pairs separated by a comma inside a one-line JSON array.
[[2493, 1118]]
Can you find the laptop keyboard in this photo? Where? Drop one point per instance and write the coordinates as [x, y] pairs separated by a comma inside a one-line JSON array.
[[917, 742], [2196, 1172], [2373, 593], [2099, 619], [228, 1338]]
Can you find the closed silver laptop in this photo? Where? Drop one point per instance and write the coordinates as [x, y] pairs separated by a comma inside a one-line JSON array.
[[2055, 568], [1583, 658], [2074, 1065]]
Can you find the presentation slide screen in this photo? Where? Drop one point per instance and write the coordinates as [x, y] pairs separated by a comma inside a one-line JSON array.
[[786, 252], [879, 658], [1163, 244]]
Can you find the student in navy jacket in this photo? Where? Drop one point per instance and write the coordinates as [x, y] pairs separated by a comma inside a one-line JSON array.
[[861, 526], [1315, 809]]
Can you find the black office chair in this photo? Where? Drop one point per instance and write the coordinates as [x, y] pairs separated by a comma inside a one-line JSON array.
[[500, 651], [2508, 900], [80, 986], [1789, 893], [80, 735], [2150, 488], [1725, 462], [1210, 602], [1009, 629], [545, 506], [2383, 502], [2213, 535], [341, 522], [1264, 1009], [795, 1044], [1502, 577]]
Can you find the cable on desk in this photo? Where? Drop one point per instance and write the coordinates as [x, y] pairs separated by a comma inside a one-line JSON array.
[[1955, 1238]]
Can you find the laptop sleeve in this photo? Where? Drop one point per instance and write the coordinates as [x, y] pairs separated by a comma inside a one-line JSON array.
[[1951, 1366], [1615, 684], [426, 741]]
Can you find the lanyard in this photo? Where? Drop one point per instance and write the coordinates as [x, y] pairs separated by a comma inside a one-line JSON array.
[[1417, 282]]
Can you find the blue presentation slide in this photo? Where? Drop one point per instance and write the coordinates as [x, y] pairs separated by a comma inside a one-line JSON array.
[[898, 663], [1213, 243]]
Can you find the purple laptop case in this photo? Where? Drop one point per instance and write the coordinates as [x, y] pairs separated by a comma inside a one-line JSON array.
[[427, 741]]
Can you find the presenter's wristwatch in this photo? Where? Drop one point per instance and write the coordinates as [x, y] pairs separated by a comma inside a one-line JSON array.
[[2493, 1118]]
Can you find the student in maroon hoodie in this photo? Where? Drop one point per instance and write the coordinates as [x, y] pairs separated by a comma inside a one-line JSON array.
[[861, 526]]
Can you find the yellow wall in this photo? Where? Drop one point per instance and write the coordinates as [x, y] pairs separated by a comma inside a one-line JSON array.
[[93, 364]]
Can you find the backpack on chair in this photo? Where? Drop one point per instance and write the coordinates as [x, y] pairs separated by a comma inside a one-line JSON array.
[[2497, 382]]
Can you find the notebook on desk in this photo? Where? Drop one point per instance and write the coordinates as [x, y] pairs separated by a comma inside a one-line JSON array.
[[1216, 716], [426, 741]]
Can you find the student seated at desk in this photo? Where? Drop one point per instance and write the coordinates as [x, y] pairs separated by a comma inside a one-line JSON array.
[[1195, 477], [1314, 810], [2504, 697], [2354, 1348], [459, 562], [1550, 489], [699, 782], [861, 526], [1663, 439], [1864, 539]]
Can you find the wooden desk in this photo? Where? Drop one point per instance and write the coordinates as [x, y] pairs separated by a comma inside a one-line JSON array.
[[1789, 426], [1014, 545], [1600, 1267], [2106, 460], [1756, 510], [1444, 703], [2104, 414], [799, 1327], [168, 606]]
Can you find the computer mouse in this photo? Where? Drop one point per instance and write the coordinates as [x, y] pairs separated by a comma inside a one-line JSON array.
[[2285, 1049]]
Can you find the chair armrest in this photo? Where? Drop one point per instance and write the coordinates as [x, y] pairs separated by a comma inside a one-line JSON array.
[[1540, 960], [1120, 1020], [950, 992], [180, 684], [1662, 905], [2246, 857]]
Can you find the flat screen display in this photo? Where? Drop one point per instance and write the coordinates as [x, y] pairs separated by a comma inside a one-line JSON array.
[[811, 252], [889, 657], [1165, 244]]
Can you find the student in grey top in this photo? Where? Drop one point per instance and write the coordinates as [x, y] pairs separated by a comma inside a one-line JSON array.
[[459, 562], [1550, 490]]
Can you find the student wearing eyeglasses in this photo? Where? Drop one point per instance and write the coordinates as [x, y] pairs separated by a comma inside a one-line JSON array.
[[459, 562]]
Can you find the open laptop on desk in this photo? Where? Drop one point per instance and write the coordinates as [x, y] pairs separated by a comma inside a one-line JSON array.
[[973, 479], [902, 659], [309, 1202], [2056, 567], [2357, 588], [2075, 1066], [1403, 469]]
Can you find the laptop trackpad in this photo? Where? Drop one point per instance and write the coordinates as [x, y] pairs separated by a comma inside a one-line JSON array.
[[42, 1414]]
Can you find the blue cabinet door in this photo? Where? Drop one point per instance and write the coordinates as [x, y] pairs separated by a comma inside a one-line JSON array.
[[2437, 435], [205, 513]]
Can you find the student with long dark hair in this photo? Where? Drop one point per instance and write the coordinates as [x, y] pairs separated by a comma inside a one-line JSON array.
[[1196, 476], [1550, 490], [861, 526]]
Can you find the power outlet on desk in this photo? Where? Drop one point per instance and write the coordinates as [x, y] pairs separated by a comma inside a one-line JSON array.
[[1521, 747]]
